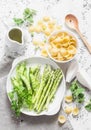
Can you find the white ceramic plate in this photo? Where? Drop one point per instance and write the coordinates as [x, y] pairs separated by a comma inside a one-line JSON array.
[[54, 107]]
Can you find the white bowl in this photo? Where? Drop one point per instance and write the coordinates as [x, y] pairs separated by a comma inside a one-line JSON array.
[[54, 107], [65, 61]]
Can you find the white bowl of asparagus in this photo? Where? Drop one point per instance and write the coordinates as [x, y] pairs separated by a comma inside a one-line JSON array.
[[35, 86]]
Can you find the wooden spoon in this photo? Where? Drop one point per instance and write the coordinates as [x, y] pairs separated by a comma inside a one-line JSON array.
[[72, 22]]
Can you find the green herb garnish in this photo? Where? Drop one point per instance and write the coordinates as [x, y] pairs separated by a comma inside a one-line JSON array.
[[45, 41], [88, 106], [32, 34], [77, 92], [28, 15], [18, 21]]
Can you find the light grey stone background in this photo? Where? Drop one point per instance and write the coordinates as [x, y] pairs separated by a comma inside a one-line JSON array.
[[56, 9]]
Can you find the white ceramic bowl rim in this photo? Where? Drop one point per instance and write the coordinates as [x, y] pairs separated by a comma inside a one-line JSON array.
[[54, 33]]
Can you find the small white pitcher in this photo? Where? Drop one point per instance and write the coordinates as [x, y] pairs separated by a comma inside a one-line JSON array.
[[14, 48]]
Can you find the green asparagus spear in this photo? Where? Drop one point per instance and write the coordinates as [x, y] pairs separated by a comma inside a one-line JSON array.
[[20, 69], [17, 85], [46, 96], [44, 79], [51, 77], [27, 83], [34, 82], [53, 91]]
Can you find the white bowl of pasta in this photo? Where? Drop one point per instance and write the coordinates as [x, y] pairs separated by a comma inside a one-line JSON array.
[[62, 46]]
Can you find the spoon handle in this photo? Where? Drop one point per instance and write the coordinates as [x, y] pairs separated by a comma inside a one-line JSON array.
[[84, 41]]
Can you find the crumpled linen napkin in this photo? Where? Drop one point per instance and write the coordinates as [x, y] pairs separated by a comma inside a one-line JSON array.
[[81, 75]]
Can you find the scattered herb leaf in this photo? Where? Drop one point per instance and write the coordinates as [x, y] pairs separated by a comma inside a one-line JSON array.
[[36, 48], [32, 34], [88, 106], [77, 92], [45, 41], [28, 13], [18, 21], [27, 16]]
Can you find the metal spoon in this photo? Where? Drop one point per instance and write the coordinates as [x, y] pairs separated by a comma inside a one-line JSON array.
[[72, 22]]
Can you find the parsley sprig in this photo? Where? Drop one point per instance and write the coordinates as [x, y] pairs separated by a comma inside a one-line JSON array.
[[28, 15], [77, 92], [88, 106]]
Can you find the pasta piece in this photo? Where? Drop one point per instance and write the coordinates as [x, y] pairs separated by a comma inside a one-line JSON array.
[[60, 34], [66, 54], [46, 18], [68, 99], [62, 119], [72, 49], [41, 45], [60, 57], [38, 29], [31, 29], [51, 23], [47, 32], [44, 27], [54, 52], [66, 39], [44, 53], [57, 40], [75, 111], [72, 39], [65, 34], [58, 27], [36, 41], [72, 42], [68, 57], [40, 22], [55, 57], [51, 29], [49, 47], [53, 46], [52, 38], [63, 51], [65, 45], [51, 26], [59, 46], [68, 110]]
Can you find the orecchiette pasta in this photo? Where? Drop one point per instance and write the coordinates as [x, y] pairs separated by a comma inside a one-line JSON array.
[[46, 18], [75, 111], [47, 32], [68, 109], [57, 27], [62, 119], [64, 44], [37, 29], [68, 99], [36, 42], [44, 52]]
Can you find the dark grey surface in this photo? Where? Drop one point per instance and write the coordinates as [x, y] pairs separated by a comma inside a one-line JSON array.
[[5, 65]]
